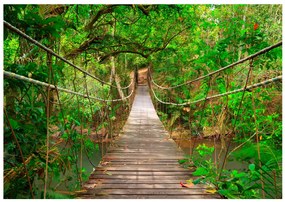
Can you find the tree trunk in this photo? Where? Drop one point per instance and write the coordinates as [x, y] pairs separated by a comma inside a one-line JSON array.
[[113, 70], [116, 78], [243, 27]]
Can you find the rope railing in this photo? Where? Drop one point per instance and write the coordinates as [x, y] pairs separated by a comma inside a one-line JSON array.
[[265, 50], [23, 78], [56, 120], [19, 32], [266, 82]]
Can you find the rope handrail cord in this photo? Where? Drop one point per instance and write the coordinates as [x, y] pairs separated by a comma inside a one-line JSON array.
[[14, 29], [278, 78], [23, 78], [222, 69]]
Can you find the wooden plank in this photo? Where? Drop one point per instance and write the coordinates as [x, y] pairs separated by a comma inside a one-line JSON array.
[[139, 163], [142, 156], [164, 145], [155, 146], [144, 139], [142, 173], [150, 153], [131, 135], [130, 177], [158, 191], [142, 186], [138, 150], [159, 153], [146, 168], [142, 160], [146, 153], [197, 196], [138, 181], [146, 145]]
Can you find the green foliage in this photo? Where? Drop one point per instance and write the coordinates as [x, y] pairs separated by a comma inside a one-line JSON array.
[[174, 116], [193, 41], [235, 184], [55, 195], [205, 151], [26, 104]]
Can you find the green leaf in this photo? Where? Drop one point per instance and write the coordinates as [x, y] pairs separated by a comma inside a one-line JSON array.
[[251, 167], [226, 193], [97, 147], [14, 123], [181, 161], [240, 187], [200, 171], [197, 181], [64, 135]]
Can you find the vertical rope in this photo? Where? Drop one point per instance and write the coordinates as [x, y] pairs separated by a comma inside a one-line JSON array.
[[49, 63], [189, 123], [47, 143], [201, 116], [81, 145], [190, 128], [234, 125], [212, 117], [81, 129], [21, 153], [257, 140], [92, 113]]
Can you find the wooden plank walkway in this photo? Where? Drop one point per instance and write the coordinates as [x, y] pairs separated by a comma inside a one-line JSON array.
[[144, 161]]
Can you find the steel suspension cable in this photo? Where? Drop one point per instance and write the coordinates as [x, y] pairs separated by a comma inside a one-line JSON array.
[[263, 83], [19, 32], [23, 78], [222, 69]]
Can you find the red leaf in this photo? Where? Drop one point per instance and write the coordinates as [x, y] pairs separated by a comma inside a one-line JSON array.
[[186, 185], [255, 27]]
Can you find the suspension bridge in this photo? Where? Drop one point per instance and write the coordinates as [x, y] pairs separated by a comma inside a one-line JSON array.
[[143, 161]]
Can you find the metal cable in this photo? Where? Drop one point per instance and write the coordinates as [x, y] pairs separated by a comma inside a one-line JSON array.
[[222, 69], [23, 78], [16, 30], [266, 82]]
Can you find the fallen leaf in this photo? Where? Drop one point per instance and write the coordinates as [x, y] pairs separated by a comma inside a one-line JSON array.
[[107, 173], [190, 181], [188, 185], [81, 191], [211, 191], [105, 163]]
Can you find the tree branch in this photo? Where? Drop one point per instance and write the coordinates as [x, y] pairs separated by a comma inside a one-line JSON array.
[[102, 11], [145, 9], [124, 45], [123, 51]]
